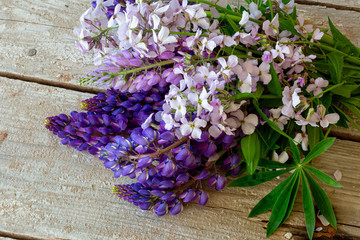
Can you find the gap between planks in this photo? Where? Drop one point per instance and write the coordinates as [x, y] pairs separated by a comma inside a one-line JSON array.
[[45, 82], [21, 236], [328, 5]]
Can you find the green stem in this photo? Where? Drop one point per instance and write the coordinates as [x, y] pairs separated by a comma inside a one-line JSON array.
[[327, 90], [349, 58], [144, 68], [328, 131]]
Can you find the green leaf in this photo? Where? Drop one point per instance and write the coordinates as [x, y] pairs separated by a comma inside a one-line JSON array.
[[349, 119], [345, 90], [292, 198], [309, 211], [251, 149], [293, 14], [271, 124], [256, 179], [259, 90], [268, 201], [318, 149], [322, 201], [235, 27], [337, 62], [271, 140], [295, 152], [285, 1], [269, 164], [314, 135], [280, 208], [342, 41], [243, 96], [326, 100], [323, 176], [353, 100], [289, 26], [274, 86], [352, 108]]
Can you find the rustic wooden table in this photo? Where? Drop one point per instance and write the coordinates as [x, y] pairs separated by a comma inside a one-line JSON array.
[[49, 191]]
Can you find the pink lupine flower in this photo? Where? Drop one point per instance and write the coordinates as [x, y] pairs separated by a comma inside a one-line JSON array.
[[266, 57], [245, 86], [254, 11], [317, 35], [228, 65], [316, 87], [271, 28], [312, 118], [327, 119], [280, 121], [303, 29], [264, 74], [290, 100], [280, 51]]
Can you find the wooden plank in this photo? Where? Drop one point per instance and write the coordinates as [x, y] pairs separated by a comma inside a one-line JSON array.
[[48, 25], [353, 5], [53, 191], [37, 39]]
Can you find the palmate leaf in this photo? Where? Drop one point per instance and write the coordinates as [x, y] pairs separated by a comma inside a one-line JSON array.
[[295, 152], [256, 179], [281, 206], [322, 201], [323, 176], [268, 201], [319, 149], [308, 206], [292, 198], [269, 164]]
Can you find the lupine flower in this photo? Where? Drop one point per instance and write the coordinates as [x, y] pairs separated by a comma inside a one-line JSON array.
[[315, 88]]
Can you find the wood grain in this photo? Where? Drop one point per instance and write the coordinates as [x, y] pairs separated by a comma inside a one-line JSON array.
[[37, 39], [52, 191], [353, 5]]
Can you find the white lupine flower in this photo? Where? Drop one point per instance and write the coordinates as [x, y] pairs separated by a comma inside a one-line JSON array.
[[192, 128], [247, 123], [282, 158], [163, 36], [244, 18], [169, 121], [200, 100], [180, 106], [246, 85], [302, 138]]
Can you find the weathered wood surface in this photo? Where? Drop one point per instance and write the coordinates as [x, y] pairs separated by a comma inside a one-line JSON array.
[[47, 26], [353, 5], [52, 191]]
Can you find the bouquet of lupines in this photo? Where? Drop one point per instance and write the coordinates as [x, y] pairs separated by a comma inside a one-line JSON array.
[[201, 94]]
